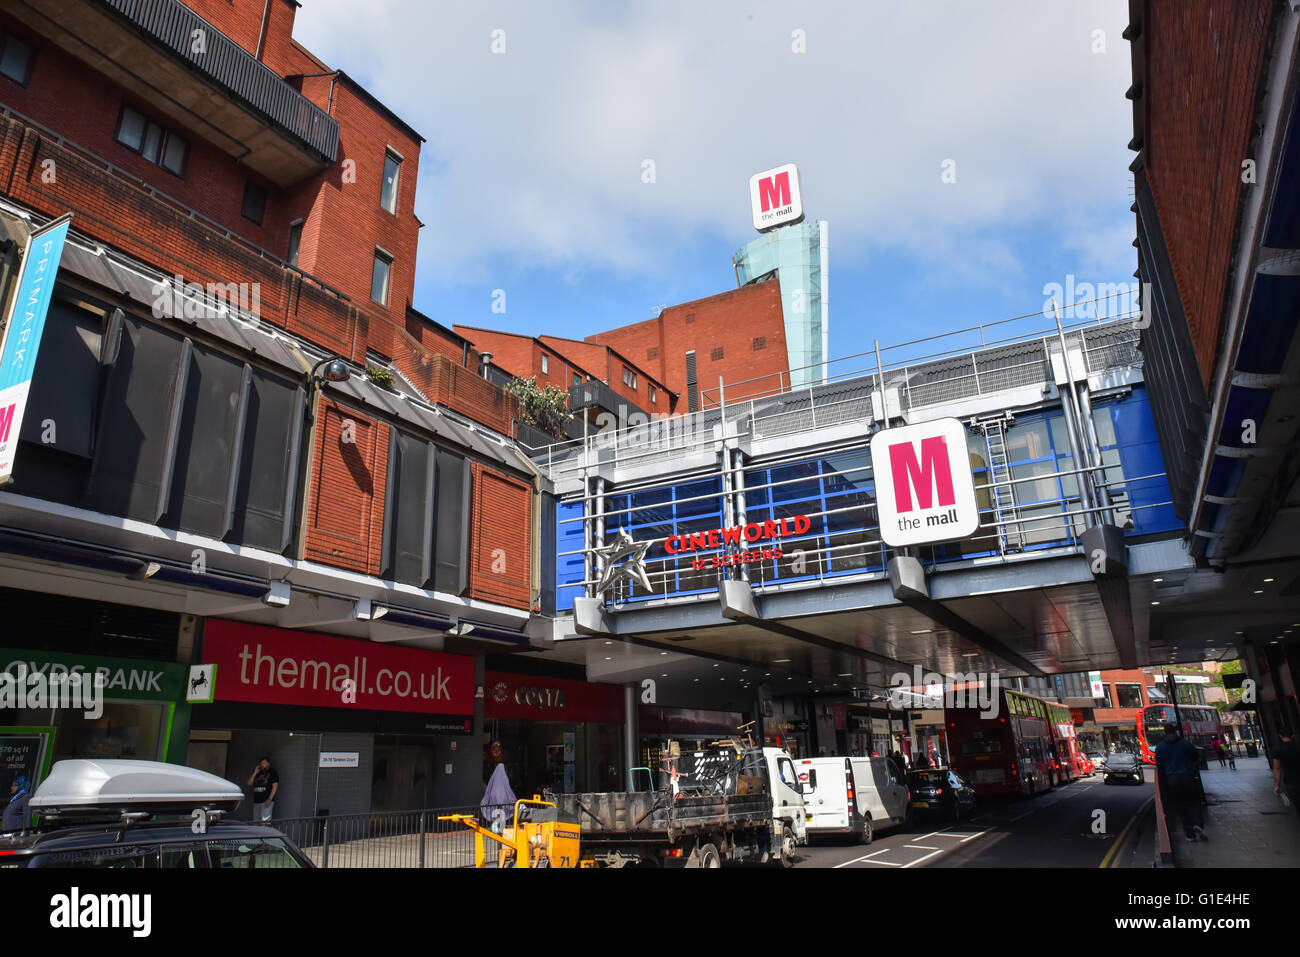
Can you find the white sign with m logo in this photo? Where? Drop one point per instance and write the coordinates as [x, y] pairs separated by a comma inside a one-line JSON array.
[[775, 198], [925, 491]]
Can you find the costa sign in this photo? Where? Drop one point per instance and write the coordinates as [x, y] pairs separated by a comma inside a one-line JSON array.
[[925, 492], [534, 698], [775, 198]]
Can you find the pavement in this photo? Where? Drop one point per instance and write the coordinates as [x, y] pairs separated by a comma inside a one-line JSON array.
[[1245, 823]]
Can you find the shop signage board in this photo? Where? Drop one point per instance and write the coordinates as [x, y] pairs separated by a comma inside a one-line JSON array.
[[118, 678], [925, 491], [34, 287], [1098, 689], [265, 665], [538, 698]]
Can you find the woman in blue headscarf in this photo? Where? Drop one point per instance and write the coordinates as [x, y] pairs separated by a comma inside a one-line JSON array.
[[16, 816]]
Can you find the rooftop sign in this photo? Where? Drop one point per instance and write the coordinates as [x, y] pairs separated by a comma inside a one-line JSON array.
[[774, 197]]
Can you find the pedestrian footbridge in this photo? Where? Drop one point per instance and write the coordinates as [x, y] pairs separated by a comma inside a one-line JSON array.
[[749, 535]]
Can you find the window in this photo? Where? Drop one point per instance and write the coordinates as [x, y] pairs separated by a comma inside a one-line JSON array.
[[629, 378], [16, 60], [1105, 697], [254, 202], [1128, 695], [577, 379], [760, 343], [295, 239], [388, 190], [252, 852], [155, 143], [379, 277], [111, 857], [546, 364], [652, 352], [716, 354], [653, 393]]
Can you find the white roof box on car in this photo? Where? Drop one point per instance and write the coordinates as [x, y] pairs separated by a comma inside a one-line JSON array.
[[87, 784]]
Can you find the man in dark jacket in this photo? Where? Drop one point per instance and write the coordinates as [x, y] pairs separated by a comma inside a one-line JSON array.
[[1176, 763], [1286, 768], [16, 815]]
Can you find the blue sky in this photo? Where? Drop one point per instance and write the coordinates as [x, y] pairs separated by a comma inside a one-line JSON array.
[[532, 177]]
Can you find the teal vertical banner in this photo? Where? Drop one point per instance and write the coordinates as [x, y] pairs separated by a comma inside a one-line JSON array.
[[22, 340]]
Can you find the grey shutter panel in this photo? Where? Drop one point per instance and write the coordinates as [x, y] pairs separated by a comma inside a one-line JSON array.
[[451, 568]]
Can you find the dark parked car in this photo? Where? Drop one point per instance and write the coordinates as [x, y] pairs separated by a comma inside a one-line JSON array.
[[141, 814], [940, 792], [1124, 767]]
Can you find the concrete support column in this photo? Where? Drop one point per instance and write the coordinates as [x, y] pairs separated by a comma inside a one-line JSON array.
[[631, 733]]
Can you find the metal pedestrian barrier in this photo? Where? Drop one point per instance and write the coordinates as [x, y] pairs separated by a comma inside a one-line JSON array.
[[385, 838]]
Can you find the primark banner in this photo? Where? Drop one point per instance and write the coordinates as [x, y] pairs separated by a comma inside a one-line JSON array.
[[33, 287]]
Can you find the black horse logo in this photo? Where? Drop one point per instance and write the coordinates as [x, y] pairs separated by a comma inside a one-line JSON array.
[[198, 682]]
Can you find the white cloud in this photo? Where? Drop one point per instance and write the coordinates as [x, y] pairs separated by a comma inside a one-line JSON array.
[[535, 156]]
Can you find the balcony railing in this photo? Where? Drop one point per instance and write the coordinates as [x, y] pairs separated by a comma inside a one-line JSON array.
[[226, 64], [942, 376]]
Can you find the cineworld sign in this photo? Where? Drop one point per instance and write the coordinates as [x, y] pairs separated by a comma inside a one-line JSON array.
[[925, 491], [716, 538]]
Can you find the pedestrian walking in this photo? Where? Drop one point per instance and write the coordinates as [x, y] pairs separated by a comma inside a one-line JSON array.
[[16, 816], [497, 797], [1176, 764], [1219, 750], [1286, 770], [265, 782]]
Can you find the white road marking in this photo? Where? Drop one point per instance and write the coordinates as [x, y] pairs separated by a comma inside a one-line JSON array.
[[857, 860], [973, 836], [920, 859], [922, 847]]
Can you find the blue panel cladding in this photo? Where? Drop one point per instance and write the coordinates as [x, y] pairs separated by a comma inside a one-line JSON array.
[[568, 568], [1139, 453]]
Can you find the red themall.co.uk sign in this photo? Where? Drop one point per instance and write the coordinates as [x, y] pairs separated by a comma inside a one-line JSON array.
[[256, 663], [738, 535]]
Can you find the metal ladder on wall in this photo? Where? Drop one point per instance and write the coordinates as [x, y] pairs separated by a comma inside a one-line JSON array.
[[1010, 535]]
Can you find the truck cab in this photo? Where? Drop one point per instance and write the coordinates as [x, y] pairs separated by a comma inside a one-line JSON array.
[[788, 808]]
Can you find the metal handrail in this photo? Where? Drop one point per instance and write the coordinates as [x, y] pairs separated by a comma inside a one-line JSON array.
[[697, 429], [225, 63]]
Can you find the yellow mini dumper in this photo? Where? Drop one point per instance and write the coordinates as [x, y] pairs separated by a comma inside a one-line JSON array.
[[540, 840]]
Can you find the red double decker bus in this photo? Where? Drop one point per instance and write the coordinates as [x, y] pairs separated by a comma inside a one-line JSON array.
[[1012, 752], [1201, 726], [1066, 761]]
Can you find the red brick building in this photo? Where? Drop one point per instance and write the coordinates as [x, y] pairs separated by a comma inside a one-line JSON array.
[[242, 214], [604, 386], [737, 335], [1216, 133]]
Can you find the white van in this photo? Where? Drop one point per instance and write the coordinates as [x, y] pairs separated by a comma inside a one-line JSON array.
[[853, 796]]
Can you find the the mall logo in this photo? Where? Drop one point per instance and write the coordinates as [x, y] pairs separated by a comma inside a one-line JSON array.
[[775, 198], [924, 488]]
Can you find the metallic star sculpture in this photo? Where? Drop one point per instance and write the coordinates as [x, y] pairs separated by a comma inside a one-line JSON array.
[[632, 569]]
